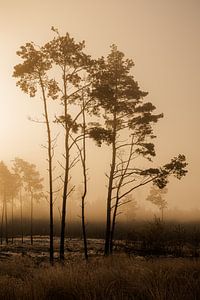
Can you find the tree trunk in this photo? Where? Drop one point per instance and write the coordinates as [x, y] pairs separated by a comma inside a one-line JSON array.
[[118, 196], [113, 225], [12, 221], [2, 219], [110, 187], [6, 219], [21, 216], [63, 216], [50, 170], [84, 229], [66, 176], [31, 218], [85, 186]]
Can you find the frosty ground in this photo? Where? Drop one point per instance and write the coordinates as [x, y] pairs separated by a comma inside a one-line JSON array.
[[25, 273]]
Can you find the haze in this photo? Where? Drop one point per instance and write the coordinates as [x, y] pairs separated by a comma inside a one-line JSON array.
[[162, 37]]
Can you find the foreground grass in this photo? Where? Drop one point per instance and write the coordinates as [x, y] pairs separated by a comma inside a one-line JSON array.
[[118, 277]]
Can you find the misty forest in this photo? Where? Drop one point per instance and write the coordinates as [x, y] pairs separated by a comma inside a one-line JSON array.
[[56, 242]]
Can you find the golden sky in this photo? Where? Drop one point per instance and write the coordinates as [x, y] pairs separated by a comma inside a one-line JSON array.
[[163, 39]]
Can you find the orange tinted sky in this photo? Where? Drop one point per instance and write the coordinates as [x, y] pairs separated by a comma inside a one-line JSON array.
[[162, 37]]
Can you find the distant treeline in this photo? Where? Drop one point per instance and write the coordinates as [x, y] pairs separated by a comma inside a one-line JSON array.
[[133, 230]]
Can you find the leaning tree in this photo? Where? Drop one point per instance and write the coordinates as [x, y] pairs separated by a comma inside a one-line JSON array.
[[127, 127]]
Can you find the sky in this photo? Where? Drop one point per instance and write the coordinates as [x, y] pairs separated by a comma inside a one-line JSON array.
[[163, 39]]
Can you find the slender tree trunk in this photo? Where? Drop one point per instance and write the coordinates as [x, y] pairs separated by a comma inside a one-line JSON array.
[[84, 228], [12, 220], [2, 219], [108, 218], [118, 196], [65, 191], [6, 219], [113, 225], [31, 218], [85, 185], [162, 214], [50, 170], [21, 216], [114, 216], [66, 176], [110, 188], [110, 185]]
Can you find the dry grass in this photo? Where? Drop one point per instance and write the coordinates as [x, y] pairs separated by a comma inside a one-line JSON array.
[[117, 277]]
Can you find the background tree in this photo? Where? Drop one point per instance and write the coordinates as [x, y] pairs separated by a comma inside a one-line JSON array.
[[14, 188], [9, 186], [128, 130], [18, 171], [5, 178], [34, 187], [156, 196], [32, 184]]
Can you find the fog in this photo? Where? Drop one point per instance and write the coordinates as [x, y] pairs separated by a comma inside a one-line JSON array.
[[163, 40], [96, 211]]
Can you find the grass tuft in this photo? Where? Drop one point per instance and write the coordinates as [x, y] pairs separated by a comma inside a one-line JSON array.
[[117, 277]]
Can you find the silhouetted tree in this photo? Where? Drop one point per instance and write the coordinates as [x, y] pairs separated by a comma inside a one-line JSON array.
[[72, 63], [32, 76], [128, 129]]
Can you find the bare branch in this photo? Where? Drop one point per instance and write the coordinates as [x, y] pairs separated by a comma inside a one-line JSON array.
[[56, 178], [75, 140], [124, 145], [74, 162], [61, 165], [59, 212], [137, 186], [124, 202], [36, 120], [56, 137], [119, 213], [43, 146], [70, 191], [121, 203], [80, 89], [126, 175], [58, 190]]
